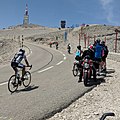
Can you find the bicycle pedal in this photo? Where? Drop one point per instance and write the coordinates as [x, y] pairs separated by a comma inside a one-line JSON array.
[[19, 83]]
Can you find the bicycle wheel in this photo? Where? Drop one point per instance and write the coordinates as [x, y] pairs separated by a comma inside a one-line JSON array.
[[27, 79], [75, 70], [12, 85]]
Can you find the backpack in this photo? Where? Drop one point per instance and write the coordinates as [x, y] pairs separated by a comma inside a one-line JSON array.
[[98, 51]]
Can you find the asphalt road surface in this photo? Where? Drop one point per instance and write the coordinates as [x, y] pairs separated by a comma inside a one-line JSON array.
[[53, 86]]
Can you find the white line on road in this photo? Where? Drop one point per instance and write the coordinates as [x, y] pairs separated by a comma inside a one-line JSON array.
[[45, 69], [64, 55], [64, 58], [59, 63], [3, 83]]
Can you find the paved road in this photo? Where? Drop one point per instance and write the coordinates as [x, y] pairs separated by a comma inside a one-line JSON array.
[[53, 86]]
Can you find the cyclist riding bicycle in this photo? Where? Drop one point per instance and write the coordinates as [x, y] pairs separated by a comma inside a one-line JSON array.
[[78, 53], [16, 62]]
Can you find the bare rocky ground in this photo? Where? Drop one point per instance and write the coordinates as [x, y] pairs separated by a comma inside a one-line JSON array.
[[7, 48], [104, 97]]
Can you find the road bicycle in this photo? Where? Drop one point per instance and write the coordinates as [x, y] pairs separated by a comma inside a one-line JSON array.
[[75, 69], [15, 80]]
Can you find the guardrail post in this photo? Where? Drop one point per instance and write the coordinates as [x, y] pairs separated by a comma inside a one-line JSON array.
[[85, 40], [22, 41]]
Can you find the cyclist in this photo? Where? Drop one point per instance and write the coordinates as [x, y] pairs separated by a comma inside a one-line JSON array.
[[78, 53], [16, 62], [79, 60]]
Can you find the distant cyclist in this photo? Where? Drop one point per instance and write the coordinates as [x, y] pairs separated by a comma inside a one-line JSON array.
[[16, 62]]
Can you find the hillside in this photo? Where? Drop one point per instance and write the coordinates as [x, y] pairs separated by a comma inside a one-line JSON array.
[[44, 35]]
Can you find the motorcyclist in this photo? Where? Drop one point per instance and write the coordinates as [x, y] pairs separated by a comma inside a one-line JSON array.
[[104, 55], [98, 51], [90, 54], [16, 62]]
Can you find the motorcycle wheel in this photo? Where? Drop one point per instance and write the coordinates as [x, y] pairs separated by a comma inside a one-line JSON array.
[[85, 77]]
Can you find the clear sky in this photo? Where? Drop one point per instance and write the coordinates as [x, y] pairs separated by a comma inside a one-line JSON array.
[[51, 12]]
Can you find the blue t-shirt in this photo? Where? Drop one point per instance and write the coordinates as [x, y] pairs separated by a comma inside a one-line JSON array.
[[98, 51]]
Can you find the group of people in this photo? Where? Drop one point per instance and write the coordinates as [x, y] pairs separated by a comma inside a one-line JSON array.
[[97, 52]]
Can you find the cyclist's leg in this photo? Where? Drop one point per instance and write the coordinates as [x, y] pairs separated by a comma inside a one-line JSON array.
[[20, 65], [14, 66]]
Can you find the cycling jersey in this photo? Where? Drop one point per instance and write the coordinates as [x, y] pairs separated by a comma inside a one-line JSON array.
[[16, 61], [18, 58], [78, 53]]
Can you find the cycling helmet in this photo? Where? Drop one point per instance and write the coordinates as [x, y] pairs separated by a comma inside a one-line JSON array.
[[21, 51]]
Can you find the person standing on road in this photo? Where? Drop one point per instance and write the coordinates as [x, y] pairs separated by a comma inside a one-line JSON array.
[[69, 48], [56, 45], [104, 55]]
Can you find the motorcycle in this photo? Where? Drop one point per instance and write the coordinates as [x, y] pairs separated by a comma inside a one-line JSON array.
[[88, 70]]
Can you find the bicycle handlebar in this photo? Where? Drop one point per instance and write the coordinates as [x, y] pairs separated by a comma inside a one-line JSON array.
[[29, 67]]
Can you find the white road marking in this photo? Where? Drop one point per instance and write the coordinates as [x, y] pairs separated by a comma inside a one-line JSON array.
[[64, 55], [30, 53], [59, 63], [64, 58], [45, 69], [3, 83]]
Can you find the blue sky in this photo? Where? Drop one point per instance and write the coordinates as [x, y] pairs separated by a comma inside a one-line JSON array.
[[51, 12]]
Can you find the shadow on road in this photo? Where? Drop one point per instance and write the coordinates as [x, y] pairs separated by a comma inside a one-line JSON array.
[[109, 71], [29, 88], [100, 79]]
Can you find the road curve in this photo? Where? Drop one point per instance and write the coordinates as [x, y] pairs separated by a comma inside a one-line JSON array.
[[53, 87]]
